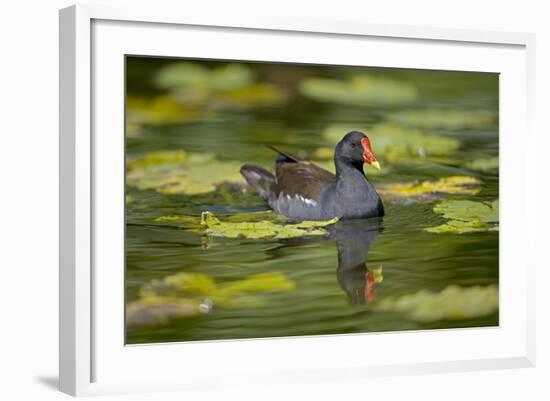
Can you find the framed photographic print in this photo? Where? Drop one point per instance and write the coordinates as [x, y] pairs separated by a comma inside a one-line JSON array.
[[277, 195]]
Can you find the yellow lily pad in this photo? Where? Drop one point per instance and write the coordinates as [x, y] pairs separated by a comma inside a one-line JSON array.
[[156, 158], [448, 185], [452, 303], [393, 142], [157, 110], [254, 95], [449, 119], [262, 229], [359, 90], [377, 274], [466, 216]]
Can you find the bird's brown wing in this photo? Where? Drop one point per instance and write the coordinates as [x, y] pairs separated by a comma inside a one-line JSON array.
[[302, 178]]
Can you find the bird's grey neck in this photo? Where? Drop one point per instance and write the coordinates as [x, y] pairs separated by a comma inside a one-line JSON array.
[[348, 168]]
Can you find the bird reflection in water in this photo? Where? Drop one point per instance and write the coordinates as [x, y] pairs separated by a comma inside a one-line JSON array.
[[354, 239]]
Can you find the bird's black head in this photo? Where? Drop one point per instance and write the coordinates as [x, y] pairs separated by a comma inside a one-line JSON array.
[[355, 148]]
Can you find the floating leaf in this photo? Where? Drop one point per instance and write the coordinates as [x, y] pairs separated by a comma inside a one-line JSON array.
[[254, 95], [262, 229], [140, 313], [157, 158], [453, 303], [191, 75], [485, 165], [323, 153], [259, 283], [194, 222], [189, 294], [180, 221], [228, 85], [466, 216], [377, 274], [447, 185], [174, 287], [157, 110], [395, 143], [450, 119], [194, 176], [359, 90]]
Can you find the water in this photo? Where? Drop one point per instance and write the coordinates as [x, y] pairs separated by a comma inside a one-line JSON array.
[[332, 292]]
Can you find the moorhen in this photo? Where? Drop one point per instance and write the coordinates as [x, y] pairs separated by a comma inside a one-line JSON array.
[[302, 190]]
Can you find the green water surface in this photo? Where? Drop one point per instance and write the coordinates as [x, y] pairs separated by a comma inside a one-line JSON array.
[[329, 272]]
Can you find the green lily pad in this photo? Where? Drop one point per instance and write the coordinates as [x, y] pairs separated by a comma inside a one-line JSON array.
[[176, 286], [262, 229], [393, 142], [489, 164], [448, 185], [194, 75], [189, 176], [194, 222], [230, 85], [449, 119], [452, 303], [359, 90], [189, 294], [466, 216]]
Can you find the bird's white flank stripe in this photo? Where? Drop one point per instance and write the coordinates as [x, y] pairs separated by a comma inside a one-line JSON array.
[[307, 201]]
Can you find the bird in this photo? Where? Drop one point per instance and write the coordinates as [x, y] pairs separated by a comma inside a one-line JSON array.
[[301, 190]]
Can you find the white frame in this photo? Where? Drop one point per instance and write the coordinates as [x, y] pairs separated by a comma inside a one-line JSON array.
[[76, 208]]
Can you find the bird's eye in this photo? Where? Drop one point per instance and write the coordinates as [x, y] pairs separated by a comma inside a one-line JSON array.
[[353, 144]]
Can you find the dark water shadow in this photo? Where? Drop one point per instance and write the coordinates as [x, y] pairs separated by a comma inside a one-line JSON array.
[[354, 239]]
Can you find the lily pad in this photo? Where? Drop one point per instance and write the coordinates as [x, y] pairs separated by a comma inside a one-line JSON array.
[[194, 222], [452, 303], [489, 164], [189, 294], [359, 90], [176, 286], [448, 185], [157, 110], [189, 176], [466, 216], [194, 75], [261, 94], [449, 119], [224, 86], [262, 229], [395, 143], [157, 158]]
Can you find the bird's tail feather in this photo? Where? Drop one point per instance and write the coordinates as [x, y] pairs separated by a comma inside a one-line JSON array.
[[283, 156], [260, 179]]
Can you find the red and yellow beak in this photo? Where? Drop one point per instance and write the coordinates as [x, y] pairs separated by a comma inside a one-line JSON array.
[[368, 156]]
